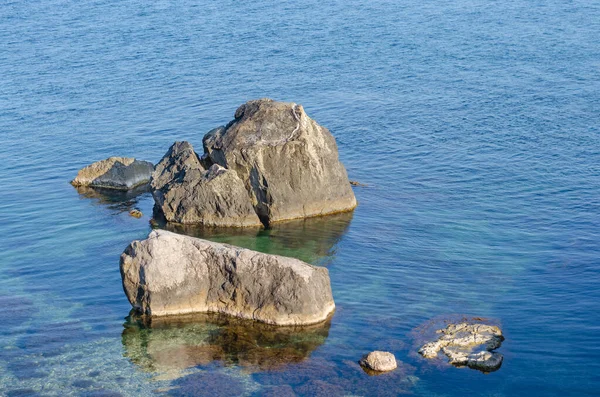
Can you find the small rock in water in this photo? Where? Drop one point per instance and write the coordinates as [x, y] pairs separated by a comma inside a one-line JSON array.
[[379, 361], [120, 173], [356, 183], [468, 344], [136, 213]]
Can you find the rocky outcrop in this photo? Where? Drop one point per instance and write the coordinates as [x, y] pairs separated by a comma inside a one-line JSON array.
[[289, 164], [173, 274], [379, 361], [186, 193], [122, 173], [468, 344]]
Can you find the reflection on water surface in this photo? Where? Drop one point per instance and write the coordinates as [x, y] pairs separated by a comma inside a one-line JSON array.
[[311, 240], [117, 200], [173, 344]]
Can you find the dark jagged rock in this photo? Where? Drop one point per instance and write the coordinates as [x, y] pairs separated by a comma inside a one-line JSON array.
[[121, 173], [186, 193]]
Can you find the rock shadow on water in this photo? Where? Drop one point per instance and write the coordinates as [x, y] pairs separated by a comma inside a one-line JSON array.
[[172, 345], [312, 240], [115, 200]]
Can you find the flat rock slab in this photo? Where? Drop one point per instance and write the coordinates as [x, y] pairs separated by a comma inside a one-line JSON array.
[[169, 274], [467, 344], [121, 173]]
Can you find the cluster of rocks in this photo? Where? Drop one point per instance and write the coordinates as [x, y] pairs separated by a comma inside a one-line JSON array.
[[467, 344], [271, 163]]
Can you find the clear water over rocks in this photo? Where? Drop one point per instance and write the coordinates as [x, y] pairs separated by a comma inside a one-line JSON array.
[[474, 124]]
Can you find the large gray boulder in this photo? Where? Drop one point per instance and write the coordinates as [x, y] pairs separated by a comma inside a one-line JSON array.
[[170, 273], [186, 193], [288, 162], [121, 173]]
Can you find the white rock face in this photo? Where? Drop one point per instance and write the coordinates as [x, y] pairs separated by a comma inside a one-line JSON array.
[[121, 173], [468, 344], [170, 273], [379, 361]]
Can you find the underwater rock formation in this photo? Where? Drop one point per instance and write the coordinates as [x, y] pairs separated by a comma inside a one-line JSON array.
[[468, 344], [173, 344]]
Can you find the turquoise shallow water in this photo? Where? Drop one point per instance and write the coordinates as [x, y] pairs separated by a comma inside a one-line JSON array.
[[474, 124]]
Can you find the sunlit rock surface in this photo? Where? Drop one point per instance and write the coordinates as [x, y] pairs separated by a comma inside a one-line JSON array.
[[288, 162], [379, 361], [170, 273]]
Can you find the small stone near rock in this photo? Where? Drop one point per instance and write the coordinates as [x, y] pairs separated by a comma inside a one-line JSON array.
[[379, 361], [485, 361], [355, 183], [136, 213]]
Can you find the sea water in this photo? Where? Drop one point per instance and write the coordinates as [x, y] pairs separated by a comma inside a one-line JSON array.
[[475, 126]]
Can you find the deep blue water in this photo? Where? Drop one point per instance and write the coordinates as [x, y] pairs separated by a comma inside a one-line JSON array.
[[475, 125]]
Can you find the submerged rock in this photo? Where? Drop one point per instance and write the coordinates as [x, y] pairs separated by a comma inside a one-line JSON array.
[[468, 344], [121, 173], [136, 213], [173, 274], [379, 361], [173, 344], [288, 163], [186, 193]]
